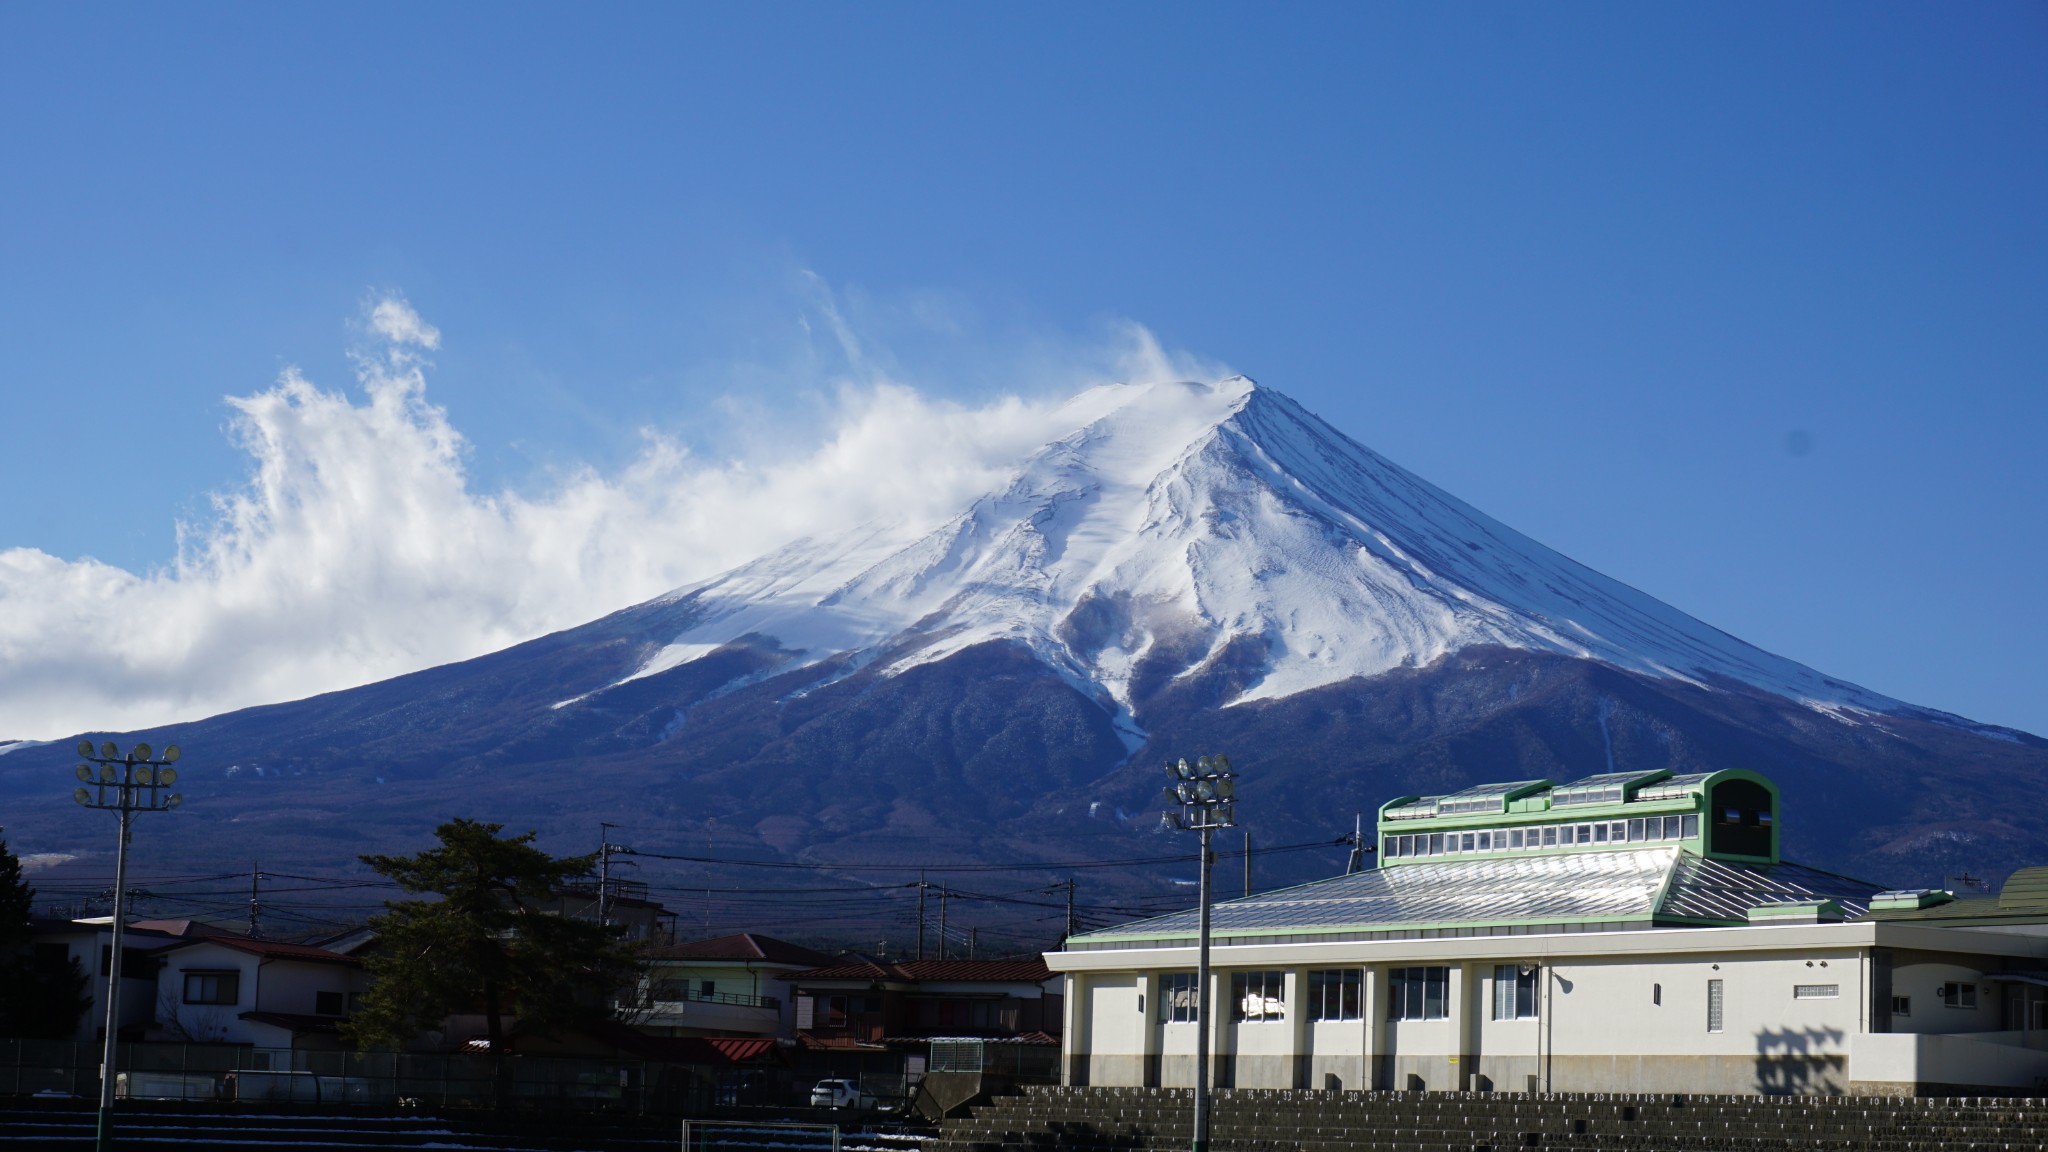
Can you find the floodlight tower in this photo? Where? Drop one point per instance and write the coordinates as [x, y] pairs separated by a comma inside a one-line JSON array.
[[1207, 794], [124, 783]]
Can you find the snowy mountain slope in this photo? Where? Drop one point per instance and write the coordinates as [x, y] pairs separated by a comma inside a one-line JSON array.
[[1192, 568], [1182, 522]]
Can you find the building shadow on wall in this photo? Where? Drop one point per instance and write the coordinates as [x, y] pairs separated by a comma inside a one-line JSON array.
[[1800, 1062]]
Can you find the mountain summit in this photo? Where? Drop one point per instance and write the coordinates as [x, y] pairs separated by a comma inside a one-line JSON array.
[[1183, 529], [1192, 568]]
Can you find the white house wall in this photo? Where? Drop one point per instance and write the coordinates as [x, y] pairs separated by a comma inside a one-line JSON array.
[[206, 1022], [272, 985], [288, 986]]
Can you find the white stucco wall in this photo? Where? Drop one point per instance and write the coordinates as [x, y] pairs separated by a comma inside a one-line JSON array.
[[205, 1022], [1617, 1011], [266, 984]]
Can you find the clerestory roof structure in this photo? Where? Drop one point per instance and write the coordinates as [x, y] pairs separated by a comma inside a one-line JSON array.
[[1610, 852], [1565, 892]]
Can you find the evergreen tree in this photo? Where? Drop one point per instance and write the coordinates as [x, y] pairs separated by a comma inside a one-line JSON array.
[[39, 998], [493, 942]]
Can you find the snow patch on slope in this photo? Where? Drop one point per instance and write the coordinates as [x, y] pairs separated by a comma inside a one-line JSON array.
[[1182, 525]]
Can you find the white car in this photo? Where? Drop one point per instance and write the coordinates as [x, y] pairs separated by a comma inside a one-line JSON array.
[[841, 1094]]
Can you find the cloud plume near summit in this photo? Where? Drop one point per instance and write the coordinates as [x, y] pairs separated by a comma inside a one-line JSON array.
[[359, 548]]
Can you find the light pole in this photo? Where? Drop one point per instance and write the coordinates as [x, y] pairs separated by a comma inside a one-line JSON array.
[[125, 783], [1207, 794]]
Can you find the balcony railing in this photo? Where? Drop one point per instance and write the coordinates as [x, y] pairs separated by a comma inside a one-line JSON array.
[[675, 995]]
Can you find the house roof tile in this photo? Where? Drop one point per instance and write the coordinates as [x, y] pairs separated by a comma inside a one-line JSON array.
[[1030, 971], [273, 949], [743, 946]]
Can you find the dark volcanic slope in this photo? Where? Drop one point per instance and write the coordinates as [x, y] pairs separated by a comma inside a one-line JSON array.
[[988, 755]]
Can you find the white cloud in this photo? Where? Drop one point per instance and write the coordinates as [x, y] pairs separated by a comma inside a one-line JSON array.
[[394, 320], [357, 549]]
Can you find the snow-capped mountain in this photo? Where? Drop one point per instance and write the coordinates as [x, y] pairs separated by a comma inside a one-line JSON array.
[[1186, 522], [1191, 568]]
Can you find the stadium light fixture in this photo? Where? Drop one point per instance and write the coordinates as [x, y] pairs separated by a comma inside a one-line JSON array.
[[1207, 794], [124, 783]]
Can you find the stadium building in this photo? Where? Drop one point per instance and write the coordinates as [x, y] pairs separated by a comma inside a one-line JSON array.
[[1629, 932]]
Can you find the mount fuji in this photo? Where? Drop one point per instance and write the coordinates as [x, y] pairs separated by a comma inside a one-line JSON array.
[[1194, 567], [1185, 529]]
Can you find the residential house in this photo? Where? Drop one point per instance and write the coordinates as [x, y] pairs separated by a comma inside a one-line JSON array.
[[939, 1015], [726, 986], [266, 993], [89, 941]]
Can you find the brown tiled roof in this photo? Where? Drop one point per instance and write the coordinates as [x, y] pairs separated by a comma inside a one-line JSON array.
[[742, 946], [1030, 971], [276, 949], [185, 928]]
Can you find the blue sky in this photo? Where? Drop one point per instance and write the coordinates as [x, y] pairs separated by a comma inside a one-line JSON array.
[[1741, 304]]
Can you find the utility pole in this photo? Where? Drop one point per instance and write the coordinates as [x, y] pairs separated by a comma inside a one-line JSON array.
[[921, 886], [1247, 861], [255, 900], [604, 872], [1357, 861], [1070, 911], [971, 934], [944, 892]]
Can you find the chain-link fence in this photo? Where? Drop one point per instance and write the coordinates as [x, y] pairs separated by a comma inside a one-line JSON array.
[[214, 1072]]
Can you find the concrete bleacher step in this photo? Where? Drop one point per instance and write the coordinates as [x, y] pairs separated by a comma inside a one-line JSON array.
[[1140, 1120]]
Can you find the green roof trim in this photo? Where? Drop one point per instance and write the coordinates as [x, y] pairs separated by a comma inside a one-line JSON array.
[[1342, 930]]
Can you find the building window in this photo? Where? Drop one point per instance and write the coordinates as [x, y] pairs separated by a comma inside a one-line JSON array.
[[1514, 991], [1335, 994], [1714, 1006], [1816, 991], [1902, 1005], [839, 1011], [1419, 993], [213, 987], [1178, 997], [1258, 995], [1550, 837], [327, 1003], [1959, 995]]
